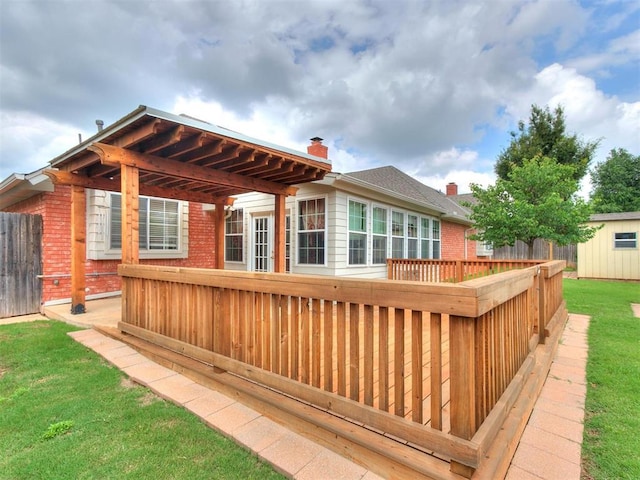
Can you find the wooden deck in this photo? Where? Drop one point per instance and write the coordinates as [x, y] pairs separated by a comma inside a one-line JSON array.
[[435, 367]]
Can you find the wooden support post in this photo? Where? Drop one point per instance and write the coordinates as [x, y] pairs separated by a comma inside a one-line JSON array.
[[435, 340], [459, 271], [542, 314], [219, 235], [279, 264], [130, 214], [78, 249], [462, 350]]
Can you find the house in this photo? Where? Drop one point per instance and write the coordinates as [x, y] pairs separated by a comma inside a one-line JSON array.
[[614, 251], [336, 224], [348, 224]]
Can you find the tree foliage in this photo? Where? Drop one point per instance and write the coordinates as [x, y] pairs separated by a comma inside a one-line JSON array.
[[537, 200], [616, 183], [545, 135]]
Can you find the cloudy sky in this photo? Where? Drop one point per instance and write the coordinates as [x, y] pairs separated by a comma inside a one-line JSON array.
[[432, 87]]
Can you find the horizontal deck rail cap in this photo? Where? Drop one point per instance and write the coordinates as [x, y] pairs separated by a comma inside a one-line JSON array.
[[453, 299]]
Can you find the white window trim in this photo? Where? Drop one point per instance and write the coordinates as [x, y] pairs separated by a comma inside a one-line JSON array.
[[616, 241], [387, 234], [368, 228], [297, 231], [244, 243], [99, 226]]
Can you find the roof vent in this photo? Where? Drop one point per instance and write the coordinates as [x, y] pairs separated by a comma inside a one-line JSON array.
[[100, 124]]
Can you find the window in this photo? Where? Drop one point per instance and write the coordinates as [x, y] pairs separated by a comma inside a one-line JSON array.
[[357, 233], [159, 222], [311, 231], [412, 236], [425, 235], [436, 238], [397, 235], [379, 228], [234, 236], [625, 240]]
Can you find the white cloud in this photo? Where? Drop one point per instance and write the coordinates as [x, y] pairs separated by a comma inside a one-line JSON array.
[[413, 84], [30, 141]]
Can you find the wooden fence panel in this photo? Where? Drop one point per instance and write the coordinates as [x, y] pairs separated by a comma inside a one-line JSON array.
[[20, 264], [568, 253]]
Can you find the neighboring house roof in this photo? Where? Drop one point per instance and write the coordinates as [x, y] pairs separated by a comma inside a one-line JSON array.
[[465, 198], [605, 217], [18, 187], [391, 179]]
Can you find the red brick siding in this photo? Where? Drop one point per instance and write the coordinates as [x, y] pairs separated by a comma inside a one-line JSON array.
[[101, 275], [452, 237]]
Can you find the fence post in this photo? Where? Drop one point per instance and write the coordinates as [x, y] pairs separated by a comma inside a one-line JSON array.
[[459, 271], [462, 348], [542, 314]]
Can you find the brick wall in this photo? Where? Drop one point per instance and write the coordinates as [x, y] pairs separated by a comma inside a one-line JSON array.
[[452, 239], [101, 275]]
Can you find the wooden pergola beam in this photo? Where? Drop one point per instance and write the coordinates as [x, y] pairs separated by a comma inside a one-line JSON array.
[[59, 177], [279, 260], [115, 156], [130, 179], [163, 140], [136, 136], [78, 249]]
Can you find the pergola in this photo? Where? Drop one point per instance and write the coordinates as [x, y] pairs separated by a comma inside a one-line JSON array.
[[154, 153]]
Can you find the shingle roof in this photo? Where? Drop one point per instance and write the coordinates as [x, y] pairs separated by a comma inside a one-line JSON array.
[[603, 217], [390, 178]]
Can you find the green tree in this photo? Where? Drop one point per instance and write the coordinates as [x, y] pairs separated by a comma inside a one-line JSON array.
[[537, 200], [546, 135], [616, 183]]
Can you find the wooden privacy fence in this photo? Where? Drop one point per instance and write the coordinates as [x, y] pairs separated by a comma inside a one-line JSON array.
[[20, 264], [425, 363]]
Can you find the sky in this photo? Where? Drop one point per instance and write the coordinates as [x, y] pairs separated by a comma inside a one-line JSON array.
[[431, 87]]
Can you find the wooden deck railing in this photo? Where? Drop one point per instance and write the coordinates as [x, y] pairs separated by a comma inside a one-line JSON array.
[[375, 351], [428, 270]]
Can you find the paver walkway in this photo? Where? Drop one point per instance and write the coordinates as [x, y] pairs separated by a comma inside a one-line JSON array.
[[551, 443]]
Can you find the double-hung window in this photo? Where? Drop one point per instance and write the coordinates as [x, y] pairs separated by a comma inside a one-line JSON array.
[[397, 234], [412, 236], [625, 240], [159, 224], [379, 241], [357, 233], [234, 236], [311, 231], [425, 236], [436, 238]]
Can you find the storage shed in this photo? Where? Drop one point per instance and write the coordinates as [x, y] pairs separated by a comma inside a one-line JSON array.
[[613, 253]]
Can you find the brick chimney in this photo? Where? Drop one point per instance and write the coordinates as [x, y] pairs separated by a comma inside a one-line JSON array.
[[452, 189], [316, 148]]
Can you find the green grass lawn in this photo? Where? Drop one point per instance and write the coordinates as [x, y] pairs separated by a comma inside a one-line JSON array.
[[65, 413], [611, 448]]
